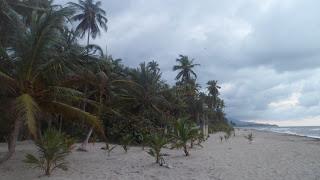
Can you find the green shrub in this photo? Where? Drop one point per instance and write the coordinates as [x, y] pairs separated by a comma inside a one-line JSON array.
[[52, 150]]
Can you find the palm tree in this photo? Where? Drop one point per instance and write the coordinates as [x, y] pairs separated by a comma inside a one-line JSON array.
[[27, 8], [154, 66], [9, 20], [103, 87], [91, 18], [213, 89], [185, 68], [146, 89], [31, 86], [145, 100]]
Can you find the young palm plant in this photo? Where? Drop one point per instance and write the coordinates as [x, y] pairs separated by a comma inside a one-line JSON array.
[[184, 132], [126, 141], [156, 142], [52, 149], [249, 137]]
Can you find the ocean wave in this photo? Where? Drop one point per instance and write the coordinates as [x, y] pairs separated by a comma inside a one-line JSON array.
[[311, 132]]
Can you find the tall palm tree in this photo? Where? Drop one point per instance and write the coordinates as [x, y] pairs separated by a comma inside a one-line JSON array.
[[103, 86], [154, 66], [213, 90], [91, 18], [185, 68], [146, 92], [31, 85]]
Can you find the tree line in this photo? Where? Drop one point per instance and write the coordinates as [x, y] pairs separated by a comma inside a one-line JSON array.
[[50, 80]]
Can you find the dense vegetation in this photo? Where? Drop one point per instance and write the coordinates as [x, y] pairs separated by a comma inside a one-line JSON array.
[[51, 81]]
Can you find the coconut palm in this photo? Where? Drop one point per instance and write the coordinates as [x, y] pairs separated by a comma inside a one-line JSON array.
[[103, 87], [9, 20], [154, 66], [146, 92], [31, 86], [91, 18], [27, 8], [213, 90], [185, 68]]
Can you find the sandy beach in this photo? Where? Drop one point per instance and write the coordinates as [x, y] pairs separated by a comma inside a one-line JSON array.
[[270, 156]]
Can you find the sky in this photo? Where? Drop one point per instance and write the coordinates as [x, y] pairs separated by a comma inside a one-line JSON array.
[[265, 54]]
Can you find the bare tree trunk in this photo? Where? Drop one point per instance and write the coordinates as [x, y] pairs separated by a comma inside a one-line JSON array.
[[12, 141]]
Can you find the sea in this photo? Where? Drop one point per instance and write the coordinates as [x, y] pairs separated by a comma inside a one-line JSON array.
[[308, 131]]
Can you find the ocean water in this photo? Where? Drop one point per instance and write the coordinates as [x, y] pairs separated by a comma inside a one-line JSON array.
[[309, 131]]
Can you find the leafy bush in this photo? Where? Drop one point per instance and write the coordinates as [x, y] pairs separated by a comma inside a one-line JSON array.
[[52, 149], [184, 131], [156, 143]]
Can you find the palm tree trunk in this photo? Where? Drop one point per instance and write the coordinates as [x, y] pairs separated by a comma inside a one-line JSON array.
[[12, 141], [88, 41], [157, 158], [86, 141], [185, 149]]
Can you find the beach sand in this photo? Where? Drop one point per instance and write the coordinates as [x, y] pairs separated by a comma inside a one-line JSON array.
[[271, 156]]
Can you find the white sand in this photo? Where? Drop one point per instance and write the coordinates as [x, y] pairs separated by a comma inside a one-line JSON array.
[[270, 157]]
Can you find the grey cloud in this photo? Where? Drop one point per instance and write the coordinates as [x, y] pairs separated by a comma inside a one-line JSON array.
[[262, 52]]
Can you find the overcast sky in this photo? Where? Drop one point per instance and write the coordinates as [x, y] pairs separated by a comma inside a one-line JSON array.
[[264, 53]]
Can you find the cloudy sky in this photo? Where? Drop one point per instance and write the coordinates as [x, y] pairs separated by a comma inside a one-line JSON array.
[[264, 53]]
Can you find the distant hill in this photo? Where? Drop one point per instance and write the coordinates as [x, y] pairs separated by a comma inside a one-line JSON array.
[[239, 123]]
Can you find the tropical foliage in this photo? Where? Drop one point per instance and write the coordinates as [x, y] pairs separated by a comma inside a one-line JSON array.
[[156, 142], [52, 149], [184, 132], [50, 80]]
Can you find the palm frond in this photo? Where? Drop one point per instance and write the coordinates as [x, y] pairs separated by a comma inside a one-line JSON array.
[[71, 112], [27, 110], [7, 80]]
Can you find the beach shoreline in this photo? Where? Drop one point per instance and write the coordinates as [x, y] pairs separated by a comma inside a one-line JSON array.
[[280, 133], [270, 156]]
